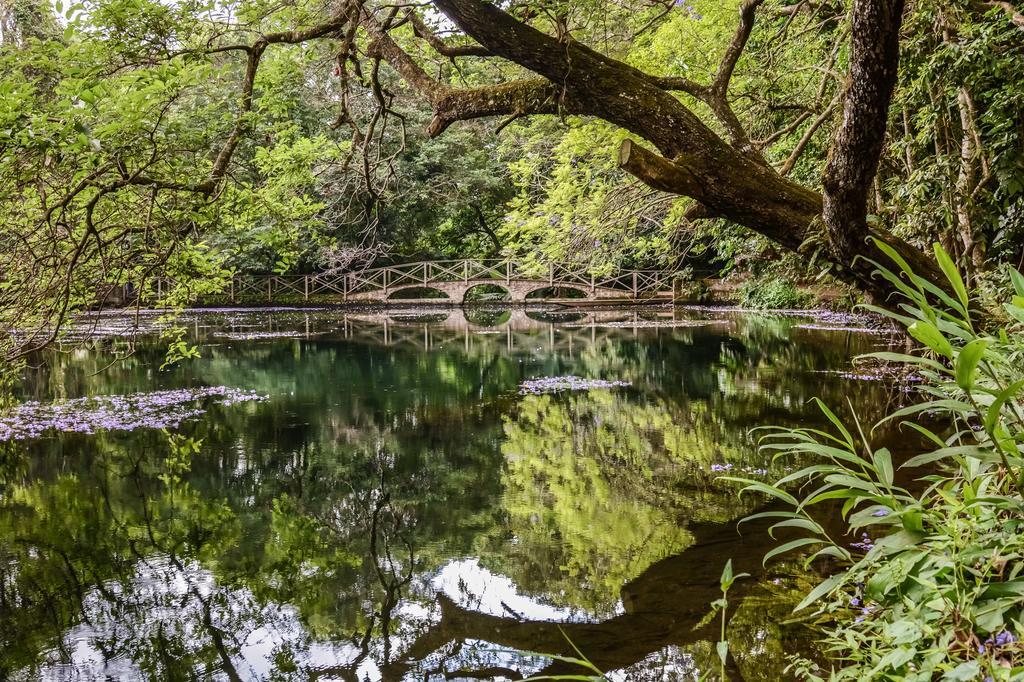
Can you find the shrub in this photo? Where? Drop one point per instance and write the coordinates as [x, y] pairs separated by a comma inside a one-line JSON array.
[[773, 293], [933, 587]]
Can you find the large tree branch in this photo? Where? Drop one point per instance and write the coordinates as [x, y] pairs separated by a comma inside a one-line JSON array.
[[731, 183], [615, 91], [515, 98], [658, 173], [383, 46]]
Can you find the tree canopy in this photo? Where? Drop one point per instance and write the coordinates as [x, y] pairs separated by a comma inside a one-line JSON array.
[[140, 139]]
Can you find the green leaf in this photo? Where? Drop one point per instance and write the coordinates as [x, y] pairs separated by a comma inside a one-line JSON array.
[[789, 546], [975, 451], [723, 650], [726, 578], [835, 420], [899, 540], [883, 465], [967, 363], [805, 524], [913, 521], [992, 415], [965, 672], [952, 274], [1012, 588], [762, 487], [930, 336], [821, 589], [927, 433], [1017, 279], [906, 359]]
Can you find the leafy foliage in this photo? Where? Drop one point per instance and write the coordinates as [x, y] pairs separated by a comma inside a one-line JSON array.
[[933, 587], [774, 293]]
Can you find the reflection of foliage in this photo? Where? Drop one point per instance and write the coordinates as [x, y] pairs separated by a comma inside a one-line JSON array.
[[582, 470], [269, 518]]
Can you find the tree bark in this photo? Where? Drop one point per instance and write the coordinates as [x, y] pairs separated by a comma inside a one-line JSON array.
[[853, 158]]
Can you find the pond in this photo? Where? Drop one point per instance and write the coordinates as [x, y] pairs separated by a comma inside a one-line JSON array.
[[330, 495]]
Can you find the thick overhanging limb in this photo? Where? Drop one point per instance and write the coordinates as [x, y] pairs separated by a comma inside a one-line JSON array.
[[613, 90], [657, 172], [731, 181], [383, 46], [512, 99], [576, 79]]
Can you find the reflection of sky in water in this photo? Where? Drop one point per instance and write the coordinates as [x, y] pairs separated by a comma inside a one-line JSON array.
[[472, 586], [166, 599]]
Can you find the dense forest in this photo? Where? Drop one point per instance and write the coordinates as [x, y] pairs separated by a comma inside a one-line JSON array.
[[189, 140]]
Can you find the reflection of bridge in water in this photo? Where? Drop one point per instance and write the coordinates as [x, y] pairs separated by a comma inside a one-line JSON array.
[[514, 328], [453, 279]]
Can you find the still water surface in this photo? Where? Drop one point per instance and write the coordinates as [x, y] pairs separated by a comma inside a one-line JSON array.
[[398, 507]]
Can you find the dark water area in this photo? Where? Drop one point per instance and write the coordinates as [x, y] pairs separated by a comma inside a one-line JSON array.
[[396, 505]]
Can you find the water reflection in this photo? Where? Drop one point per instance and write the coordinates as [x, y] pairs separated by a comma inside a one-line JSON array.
[[397, 510]]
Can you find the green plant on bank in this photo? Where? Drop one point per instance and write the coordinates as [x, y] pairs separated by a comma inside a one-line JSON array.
[[933, 586], [771, 293], [721, 606]]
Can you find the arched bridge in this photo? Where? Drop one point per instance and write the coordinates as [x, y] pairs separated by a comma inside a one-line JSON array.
[[455, 278]]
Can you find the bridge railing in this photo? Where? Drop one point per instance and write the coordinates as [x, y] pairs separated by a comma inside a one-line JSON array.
[[638, 283]]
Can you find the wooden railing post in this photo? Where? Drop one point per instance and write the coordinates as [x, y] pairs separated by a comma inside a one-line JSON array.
[[344, 288], [305, 287], [270, 289], [551, 274], [634, 285], [465, 272], [508, 272], [231, 294]]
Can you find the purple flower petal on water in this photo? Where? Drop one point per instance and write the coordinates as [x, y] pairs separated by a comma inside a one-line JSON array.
[[542, 385], [157, 410]]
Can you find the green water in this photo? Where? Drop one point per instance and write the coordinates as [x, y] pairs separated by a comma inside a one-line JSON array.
[[396, 509]]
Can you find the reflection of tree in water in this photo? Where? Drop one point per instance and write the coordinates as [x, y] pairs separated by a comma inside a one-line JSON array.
[[601, 485], [306, 533], [148, 568]]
